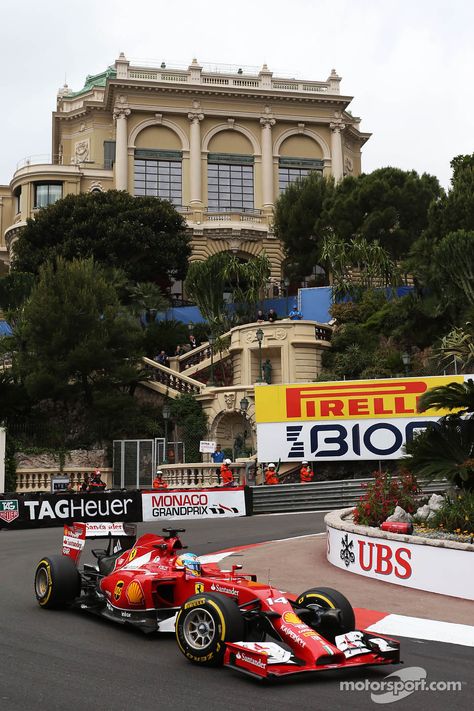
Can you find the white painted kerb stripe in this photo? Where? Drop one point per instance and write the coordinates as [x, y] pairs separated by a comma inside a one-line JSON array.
[[418, 628]]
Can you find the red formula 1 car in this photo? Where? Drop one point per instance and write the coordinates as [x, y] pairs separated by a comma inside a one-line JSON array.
[[219, 617]]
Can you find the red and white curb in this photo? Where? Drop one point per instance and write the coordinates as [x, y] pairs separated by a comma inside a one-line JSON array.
[[415, 627], [385, 623]]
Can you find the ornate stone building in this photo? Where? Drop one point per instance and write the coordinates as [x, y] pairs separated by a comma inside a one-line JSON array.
[[220, 144]]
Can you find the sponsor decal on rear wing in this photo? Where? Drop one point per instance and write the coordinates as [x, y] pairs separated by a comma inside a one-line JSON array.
[[104, 529], [75, 535]]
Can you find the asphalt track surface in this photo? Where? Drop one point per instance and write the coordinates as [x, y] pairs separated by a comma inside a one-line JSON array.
[[66, 660]]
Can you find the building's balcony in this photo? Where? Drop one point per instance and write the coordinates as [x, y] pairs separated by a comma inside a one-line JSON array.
[[233, 214], [225, 76], [47, 166]]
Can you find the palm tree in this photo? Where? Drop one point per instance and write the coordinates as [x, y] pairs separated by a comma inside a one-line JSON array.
[[458, 347], [147, 297], [371, 262], [447, 449], [207, 281]]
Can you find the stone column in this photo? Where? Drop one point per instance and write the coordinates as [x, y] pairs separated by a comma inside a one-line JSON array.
[[195, 187], [336, 150], [267, 161], [121, 152]]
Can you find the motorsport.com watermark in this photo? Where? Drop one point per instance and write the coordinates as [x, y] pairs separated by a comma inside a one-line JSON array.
[[399, 685]]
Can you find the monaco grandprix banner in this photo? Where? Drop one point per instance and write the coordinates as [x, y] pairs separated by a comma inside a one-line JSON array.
[[34, 510], [190, 503], [446, 571], [352, 420]]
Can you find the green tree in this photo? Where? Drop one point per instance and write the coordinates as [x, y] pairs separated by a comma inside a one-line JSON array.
[[147, 298], [357, 266], [299, 222], [389, 206], [457, 349], [452, 270], [14, 290], [74, 338], [451, 213], [246, 280], [207, 282], [187, 412], [144, 236], [446, 450]]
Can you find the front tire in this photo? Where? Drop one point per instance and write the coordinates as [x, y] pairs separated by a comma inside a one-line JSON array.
[[329, 599], [57, 581], [204, 624]]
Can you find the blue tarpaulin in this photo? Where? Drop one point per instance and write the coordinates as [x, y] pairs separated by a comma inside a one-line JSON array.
[[5, 329]]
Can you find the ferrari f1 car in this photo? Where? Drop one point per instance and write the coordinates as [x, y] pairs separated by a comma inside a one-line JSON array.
[[218, 617]]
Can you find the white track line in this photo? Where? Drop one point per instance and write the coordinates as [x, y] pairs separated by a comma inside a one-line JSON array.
[[418, 628]]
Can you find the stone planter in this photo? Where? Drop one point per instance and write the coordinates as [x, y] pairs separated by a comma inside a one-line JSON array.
[[439, 566]]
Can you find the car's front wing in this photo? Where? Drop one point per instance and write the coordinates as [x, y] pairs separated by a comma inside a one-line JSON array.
[[267, 660]]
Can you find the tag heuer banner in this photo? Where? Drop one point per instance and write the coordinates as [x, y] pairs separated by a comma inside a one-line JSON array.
[[353, 420], [33, 510]]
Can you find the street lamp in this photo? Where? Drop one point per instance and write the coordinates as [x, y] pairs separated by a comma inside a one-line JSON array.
[[259, 335], [166, 412], [406, 358], [244, 406], [212, 340]]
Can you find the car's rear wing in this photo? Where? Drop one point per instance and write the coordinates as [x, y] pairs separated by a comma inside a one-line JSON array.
[[121, 536]]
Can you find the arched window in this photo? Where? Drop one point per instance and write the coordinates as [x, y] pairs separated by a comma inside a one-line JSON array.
[[159, 174], [230, 181]]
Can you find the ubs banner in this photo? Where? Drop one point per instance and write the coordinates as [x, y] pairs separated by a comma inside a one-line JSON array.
[[33, 510], [439, 570], [353, 420]]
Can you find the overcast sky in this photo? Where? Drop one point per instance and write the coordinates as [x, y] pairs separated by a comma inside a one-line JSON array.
[[409, 64]]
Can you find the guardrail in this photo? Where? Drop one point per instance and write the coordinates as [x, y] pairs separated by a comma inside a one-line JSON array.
[[320, 496]]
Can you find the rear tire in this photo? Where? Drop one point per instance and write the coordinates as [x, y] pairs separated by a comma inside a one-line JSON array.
[[57, 581], [204, 624], [330, 599]]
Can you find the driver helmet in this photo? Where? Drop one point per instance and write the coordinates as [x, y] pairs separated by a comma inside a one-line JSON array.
[[227, 461], [271, 466], [189, 562]]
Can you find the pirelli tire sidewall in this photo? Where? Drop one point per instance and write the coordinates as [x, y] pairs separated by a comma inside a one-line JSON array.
[[57, 581], [328, 598], [228, 621]]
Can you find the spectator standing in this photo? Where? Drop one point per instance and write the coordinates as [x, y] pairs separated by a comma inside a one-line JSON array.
[[192, 341], [272, 316], [162, 359], [271, 476], [180, 350], [217, 456], [306, 473], [295, 314], [260, 318], [84, 488], [96, 485], [158, 481], [227, 477]]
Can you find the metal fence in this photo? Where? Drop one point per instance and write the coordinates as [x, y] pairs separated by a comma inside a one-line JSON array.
[[320, 496]]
